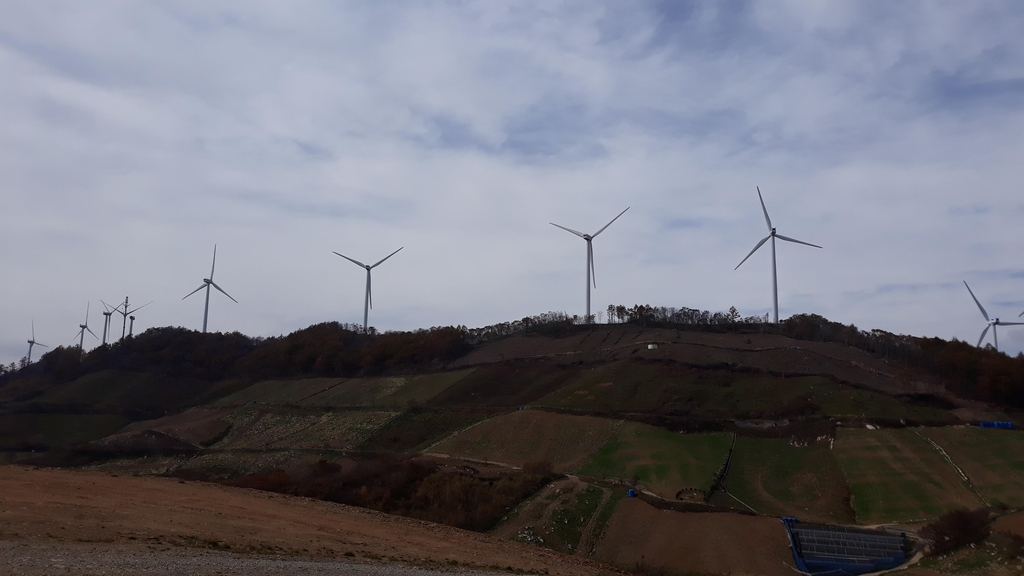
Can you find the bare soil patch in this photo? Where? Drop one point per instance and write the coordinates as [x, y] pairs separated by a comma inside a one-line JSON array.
[[46, 505], [639, 534]]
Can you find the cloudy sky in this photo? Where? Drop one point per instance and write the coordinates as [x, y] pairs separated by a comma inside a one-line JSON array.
[[136, 135]]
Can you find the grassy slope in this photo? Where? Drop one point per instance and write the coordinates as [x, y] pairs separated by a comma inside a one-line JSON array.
[[992, 459], [663, 462], [565, 441], [777, 478], [643, 386], [897, 475], [413, 431], [21, 431]]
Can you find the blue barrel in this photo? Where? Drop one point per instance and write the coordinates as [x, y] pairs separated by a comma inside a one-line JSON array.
[[631, 493]]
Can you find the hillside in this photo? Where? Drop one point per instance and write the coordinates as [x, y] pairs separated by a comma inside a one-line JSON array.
[[534, 431]]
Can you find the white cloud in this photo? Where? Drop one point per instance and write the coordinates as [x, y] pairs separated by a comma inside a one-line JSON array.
[[135, 136]]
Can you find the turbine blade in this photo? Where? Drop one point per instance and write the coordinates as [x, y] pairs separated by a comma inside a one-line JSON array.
[[980, 307], [381, 261], [590, 255], [33, 330], [141, 307], [43, 345], [223, 292], [1011, 323], [91, 332], [610, 223], [214, 261], [87, 312], [201, 286], [763, 209], [580, 234], [983, 332], [759, 244], [356, 262], [795, 241]]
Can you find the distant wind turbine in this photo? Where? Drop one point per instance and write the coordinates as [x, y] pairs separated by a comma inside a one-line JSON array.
[[106, 318], [207, 282], [991, 323], [591, 276], [83, 328], [369, 298], [33, 342], [772, 235], [125, 313]]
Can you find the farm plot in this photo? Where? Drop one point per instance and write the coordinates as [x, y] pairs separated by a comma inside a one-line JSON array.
[[506, 384], [896, 475], [279, 391], [356, 392], [50, 431], [992, 459], [419, 389], [775, 477], [532, 435], [658, 460], [416, 430], [255, 429]]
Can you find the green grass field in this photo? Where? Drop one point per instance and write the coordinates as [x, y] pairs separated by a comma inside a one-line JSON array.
[[896, 475], [415, 431], [774, 477], [661, 461], [260, 428], [992, 459], [532, 435], [279, 391], [420, 389], [641, 386], [134, 394]]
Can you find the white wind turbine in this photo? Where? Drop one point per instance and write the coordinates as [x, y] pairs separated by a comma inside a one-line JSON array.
[[991, 323], [33, 342], [368, 303], [772, 235], [83, 328], [591, 276], [106, 318], [207, 282]]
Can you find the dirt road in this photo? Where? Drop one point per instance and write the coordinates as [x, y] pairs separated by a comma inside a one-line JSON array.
[[144, 519]]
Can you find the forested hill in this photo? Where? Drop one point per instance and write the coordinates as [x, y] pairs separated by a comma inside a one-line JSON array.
[[333, 349]]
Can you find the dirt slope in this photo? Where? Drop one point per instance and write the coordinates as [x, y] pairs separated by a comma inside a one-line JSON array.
[[695, 542], [60, 506]]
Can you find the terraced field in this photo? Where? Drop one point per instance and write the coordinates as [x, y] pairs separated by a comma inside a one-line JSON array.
[[774, 477], [896, 475], [532, 435], [992, 459], [280, 391], [658, 460], [646, 386], [260, 429]]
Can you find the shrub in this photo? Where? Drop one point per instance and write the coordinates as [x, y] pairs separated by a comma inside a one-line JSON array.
[[956, 529]]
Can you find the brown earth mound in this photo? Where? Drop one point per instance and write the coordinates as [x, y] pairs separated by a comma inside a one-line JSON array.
[[146, 441], [46, 505], [640, 536], [199, 426]]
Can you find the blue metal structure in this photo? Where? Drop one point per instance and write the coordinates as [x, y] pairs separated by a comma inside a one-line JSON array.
[[821, 549]]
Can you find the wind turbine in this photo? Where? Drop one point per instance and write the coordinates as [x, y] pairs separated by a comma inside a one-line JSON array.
[[125, 312], [991, 323], [590, 254], [83, 328], [106, 320], [772, 235], [207, 282], [369, 298], [33, 342]]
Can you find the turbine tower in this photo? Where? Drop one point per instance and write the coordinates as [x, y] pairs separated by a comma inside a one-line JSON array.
[[368, 303], [207, 282], [106, 318], [991, 323], [33, 342], [591, 277], [772, 235], [123, 310], [83, 328]]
